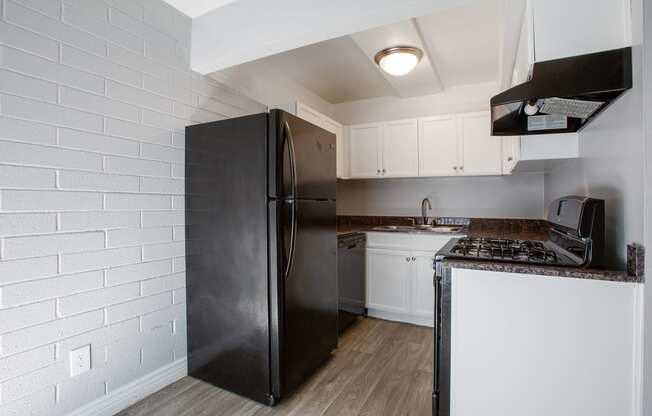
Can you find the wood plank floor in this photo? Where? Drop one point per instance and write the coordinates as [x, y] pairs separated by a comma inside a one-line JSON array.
[[380, 368]]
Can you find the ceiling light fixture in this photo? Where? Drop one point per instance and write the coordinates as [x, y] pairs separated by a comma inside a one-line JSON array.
[[398, 60]]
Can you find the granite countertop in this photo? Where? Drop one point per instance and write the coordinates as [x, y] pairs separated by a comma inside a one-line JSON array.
[[490, 228], [554, 271], [475, 227]]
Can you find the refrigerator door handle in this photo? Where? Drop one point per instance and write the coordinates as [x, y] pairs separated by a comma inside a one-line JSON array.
[[293, 238], [293, 162]]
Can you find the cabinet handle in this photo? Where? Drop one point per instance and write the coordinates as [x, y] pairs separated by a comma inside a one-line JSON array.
[[407, 259], [461, 167], [454, 167], [509, 159], [414, 259], [384, 171], [378, 171]]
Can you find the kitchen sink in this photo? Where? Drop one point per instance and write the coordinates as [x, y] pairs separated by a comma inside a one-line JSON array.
[[422, 228]]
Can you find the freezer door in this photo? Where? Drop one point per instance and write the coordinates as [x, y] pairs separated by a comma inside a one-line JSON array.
[[305, 289], [302, 159]]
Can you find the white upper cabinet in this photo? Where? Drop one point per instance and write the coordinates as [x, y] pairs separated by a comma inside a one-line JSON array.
[[338, 129], [399, 150], [553, 29], [565, 28], [438, 146], [364, 150], [481, 153], [318, 119], [511, 153], [450, 145]]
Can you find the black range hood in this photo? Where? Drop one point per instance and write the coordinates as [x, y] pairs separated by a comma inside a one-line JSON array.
[[562, 95]]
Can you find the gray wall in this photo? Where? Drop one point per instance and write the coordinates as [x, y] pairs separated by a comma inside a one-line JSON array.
[[647, 108], [94, 98], [611, 166], [516, 196]]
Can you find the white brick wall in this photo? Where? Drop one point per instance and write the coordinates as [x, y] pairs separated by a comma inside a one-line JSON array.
[[94, 98]]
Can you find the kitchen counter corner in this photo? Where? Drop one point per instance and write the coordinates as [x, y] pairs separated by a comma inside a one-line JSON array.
[[570, 272]]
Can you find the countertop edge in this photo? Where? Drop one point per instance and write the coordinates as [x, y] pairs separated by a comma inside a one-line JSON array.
[[564, 272]]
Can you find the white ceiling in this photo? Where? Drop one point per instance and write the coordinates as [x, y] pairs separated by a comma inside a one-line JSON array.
[[195, 8], [462, 46]]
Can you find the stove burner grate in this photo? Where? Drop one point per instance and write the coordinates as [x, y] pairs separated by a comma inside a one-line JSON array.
[[504, 249]]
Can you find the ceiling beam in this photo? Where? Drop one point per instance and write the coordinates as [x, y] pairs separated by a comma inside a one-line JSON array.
[[514, 13], [428, 51], [251, 29]]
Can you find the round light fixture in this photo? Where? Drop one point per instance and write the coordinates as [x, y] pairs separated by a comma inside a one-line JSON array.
[[398, 60]]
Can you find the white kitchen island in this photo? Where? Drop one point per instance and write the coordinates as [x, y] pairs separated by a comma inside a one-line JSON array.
[[524, 343]]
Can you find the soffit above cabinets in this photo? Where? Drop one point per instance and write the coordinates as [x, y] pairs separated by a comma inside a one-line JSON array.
[[462, 45], [195, 8]]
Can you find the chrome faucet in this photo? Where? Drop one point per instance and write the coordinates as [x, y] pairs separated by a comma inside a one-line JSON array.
[[425, 203]]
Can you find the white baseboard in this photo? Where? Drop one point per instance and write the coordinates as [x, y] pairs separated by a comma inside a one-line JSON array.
[[401, 317], [131, 393]]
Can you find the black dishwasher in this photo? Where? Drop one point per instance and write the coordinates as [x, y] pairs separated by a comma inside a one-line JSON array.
[[351, 278]]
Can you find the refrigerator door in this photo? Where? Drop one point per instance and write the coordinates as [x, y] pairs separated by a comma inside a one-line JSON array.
[[226, 255], [302, 159], [305, 285]]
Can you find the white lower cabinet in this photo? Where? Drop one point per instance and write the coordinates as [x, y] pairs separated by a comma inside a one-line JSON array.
[[423, 289], [400, 276], [539, 345], [388, 275]]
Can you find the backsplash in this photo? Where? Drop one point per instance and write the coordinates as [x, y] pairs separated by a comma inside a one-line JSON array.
[[510, 196]]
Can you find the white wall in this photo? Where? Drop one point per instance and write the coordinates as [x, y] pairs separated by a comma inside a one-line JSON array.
[[516, 196], [611, 164], [92, 120], [466, 98]]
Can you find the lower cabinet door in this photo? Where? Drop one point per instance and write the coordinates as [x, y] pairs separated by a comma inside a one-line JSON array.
[[423, 289], [388, 280]]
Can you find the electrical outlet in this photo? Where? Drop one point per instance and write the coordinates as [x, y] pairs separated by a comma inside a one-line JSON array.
[[80, 360]]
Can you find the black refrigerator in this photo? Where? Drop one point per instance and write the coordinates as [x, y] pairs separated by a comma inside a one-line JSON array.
[[260, 253]]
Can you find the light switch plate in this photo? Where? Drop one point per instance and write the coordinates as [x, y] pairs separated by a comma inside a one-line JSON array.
[[80, 360]]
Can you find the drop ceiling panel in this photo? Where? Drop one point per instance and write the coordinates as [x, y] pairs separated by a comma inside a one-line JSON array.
[[336, 70], [465, 42], [461, 47], [423, 79]]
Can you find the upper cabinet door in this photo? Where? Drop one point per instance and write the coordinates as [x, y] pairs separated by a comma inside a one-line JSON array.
[[438, 146], [481, 152], [565, 28], [364, 150], [338, 130], [400, 149], [511, 153], [328, 124]]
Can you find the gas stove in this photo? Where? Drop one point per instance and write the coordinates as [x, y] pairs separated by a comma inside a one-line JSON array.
[[528, 251], [575, 239]]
